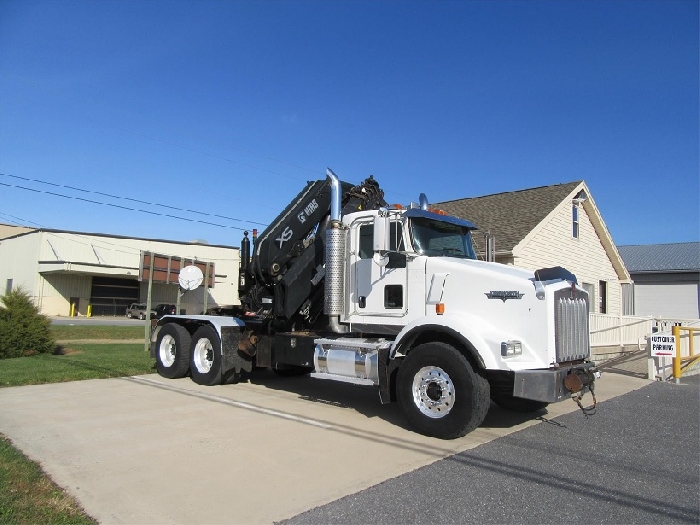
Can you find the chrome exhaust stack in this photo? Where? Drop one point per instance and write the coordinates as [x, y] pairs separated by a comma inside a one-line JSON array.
[[423, 201], [334, 297]]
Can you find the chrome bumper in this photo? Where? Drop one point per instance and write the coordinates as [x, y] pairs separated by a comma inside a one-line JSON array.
[[549, 385]]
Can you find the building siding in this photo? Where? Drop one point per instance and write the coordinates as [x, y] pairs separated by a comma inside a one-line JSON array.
[[554, 245], [18, 262], [57, 289]]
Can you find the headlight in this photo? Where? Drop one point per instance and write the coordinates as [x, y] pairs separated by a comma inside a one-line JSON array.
[[511, 348]]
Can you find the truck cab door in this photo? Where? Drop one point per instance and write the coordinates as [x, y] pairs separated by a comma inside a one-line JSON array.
[[380, 289]]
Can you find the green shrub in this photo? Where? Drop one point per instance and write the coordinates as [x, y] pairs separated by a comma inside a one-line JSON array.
[[23, 330]]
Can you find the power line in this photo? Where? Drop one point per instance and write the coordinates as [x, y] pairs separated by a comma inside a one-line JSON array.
[[96, 239], [53, 193]]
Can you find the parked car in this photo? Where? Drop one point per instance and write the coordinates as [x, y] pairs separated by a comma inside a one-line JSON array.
[[165, 309], [138, 310]]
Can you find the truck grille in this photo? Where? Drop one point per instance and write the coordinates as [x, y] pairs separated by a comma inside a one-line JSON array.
[[571, 325]]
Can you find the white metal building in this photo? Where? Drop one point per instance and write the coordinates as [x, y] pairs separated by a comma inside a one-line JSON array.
[[64, 271], [666, 279]]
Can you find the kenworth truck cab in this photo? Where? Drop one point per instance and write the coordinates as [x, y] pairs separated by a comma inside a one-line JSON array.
[[346, 286]]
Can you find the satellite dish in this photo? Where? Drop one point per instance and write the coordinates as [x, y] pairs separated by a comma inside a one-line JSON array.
[[190, 278]]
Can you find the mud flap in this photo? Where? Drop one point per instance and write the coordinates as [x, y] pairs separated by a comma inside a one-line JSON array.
[[385, 370], [233, 361]]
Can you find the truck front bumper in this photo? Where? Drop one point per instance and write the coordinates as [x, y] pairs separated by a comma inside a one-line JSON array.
[[552, 385]]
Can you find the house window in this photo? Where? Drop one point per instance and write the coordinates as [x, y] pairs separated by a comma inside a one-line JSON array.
[[603, 297], [627, 298], [574, 220], [590, 289], [8, 286]]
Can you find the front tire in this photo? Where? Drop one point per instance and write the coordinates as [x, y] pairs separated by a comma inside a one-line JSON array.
[[205, 357], [440, 393], [173, 351]]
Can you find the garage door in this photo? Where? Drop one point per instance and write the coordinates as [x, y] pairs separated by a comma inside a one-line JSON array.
[[111, 296], [669, 300]]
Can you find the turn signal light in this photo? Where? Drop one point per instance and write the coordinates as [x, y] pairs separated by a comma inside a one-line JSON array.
[[440, 308]]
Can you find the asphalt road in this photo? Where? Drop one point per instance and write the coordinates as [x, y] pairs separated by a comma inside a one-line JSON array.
[[635, 461]]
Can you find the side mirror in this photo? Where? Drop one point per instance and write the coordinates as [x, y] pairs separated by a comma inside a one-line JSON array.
[[382, 224], [380, 260]]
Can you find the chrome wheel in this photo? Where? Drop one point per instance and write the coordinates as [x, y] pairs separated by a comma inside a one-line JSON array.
[[166, 350], [433, 392], [203, 355]]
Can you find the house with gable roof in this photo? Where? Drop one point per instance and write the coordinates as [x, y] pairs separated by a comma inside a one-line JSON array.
[[558, 225]]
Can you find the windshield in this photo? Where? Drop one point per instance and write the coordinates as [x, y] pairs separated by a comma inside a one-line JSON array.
[[437, 238]]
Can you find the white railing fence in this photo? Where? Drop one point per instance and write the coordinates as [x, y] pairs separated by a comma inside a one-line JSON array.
[[620, 330], [625, 330]]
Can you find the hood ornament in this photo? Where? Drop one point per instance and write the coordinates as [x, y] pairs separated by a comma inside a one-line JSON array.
[[504, 295]]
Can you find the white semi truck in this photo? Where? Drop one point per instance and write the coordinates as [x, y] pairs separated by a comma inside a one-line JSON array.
[[344, 285]]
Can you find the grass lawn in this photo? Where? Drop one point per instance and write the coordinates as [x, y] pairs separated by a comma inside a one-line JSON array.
[[67, 332], [79, 361], [28, 496]]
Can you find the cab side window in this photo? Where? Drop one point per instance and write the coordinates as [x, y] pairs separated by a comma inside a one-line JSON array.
[[366, 241], [396, 243]]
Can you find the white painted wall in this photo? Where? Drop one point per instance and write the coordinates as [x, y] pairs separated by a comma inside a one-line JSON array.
[[18, 261]]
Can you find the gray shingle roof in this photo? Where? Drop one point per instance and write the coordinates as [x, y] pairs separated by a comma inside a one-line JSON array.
[[509, 216], [680, 257]]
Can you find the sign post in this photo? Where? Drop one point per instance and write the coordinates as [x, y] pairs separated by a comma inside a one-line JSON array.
[[663, 347]]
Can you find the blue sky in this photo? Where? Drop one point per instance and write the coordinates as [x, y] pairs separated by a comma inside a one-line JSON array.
[[222, 110]]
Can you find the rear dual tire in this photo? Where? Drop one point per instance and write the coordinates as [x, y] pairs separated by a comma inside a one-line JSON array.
[[205, 357], [173, 351]]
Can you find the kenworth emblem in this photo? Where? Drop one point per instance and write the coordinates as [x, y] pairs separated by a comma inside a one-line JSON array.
[[504, 295]]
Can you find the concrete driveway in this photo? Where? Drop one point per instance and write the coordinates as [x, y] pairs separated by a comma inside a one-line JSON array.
[[149, 450]]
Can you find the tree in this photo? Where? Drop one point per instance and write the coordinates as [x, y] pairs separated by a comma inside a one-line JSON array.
[[23, 330]]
